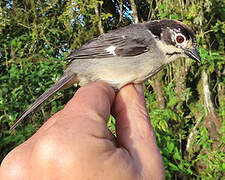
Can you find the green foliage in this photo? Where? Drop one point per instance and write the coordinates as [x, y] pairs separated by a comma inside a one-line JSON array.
[[35, 37], [171, 132]]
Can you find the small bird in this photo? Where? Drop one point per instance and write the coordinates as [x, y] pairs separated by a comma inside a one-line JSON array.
[[128, 55]]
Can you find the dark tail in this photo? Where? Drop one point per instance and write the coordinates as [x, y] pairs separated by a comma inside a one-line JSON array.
[[59, 84]]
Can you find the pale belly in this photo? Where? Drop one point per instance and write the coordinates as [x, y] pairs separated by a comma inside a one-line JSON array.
[[117, 72]]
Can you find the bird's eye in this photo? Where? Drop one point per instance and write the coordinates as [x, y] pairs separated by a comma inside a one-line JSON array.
[[180, 39]]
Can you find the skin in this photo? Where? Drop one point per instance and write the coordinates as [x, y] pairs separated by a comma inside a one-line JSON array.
[[75, 143]]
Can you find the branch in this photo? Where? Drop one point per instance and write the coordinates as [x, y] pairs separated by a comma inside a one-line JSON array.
[[18, 23], [158, 91], [207, 95], [121, 12], [134, 9], [99, 22], [150, 11], [192, 134]]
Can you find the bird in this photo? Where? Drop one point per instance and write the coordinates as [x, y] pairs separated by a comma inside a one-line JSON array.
[[130, 54]]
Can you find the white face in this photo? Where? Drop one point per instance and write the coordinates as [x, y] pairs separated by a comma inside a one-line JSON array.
[[177, 50], [179, 39]]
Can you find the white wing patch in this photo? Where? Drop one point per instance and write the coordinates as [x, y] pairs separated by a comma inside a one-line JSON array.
[[111, 50]]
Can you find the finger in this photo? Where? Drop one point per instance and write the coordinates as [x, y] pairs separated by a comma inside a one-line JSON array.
[[84, 115], [88, 109], [133, 128], [140, 90], [49, 123], [93, 98], [131, 114]]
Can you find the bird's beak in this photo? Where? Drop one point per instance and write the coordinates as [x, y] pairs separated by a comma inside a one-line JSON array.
[[193, 54]]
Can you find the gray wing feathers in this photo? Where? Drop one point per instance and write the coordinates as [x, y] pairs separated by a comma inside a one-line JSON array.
[[129, 42], [41, 99]]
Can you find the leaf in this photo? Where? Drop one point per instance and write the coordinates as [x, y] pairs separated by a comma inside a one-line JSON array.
[[173, 167], [177, 156], [170, 147]]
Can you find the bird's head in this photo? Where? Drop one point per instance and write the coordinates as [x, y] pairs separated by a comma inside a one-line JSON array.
[[175, 39]]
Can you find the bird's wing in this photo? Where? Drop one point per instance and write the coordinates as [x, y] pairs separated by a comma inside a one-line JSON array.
[[129, 41]]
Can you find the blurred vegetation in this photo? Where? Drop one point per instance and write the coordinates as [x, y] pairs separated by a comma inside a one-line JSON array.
[[186, 101]]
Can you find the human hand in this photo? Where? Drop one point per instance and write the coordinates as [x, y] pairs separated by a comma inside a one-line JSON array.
[[75, 143]]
